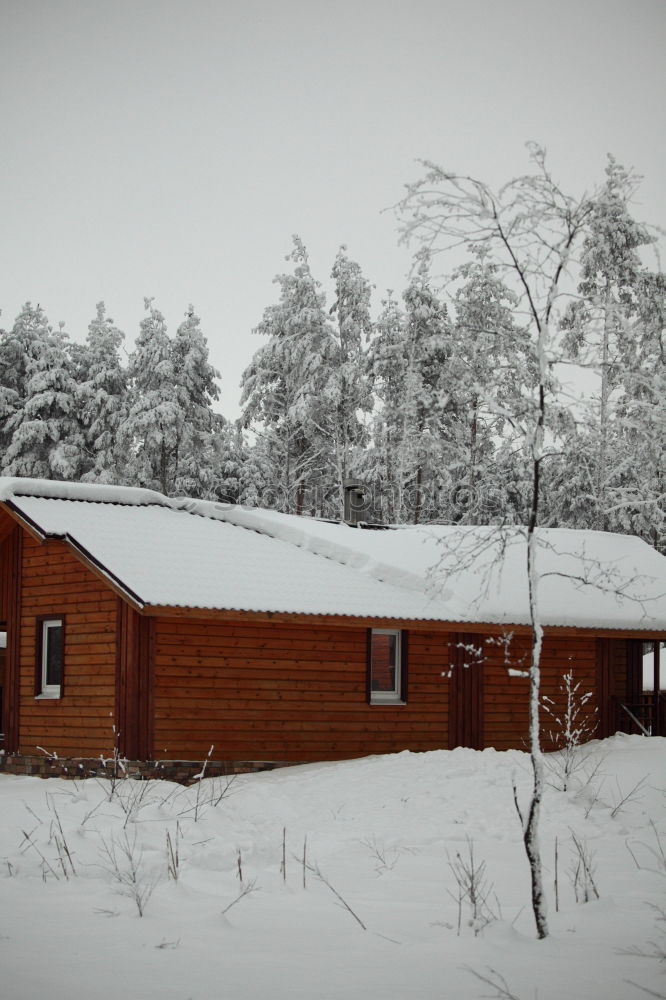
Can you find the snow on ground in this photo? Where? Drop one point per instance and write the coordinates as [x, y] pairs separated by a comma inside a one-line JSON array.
[[384, 832]]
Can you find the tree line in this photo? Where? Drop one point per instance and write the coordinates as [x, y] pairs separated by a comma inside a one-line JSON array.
[[430, 403]]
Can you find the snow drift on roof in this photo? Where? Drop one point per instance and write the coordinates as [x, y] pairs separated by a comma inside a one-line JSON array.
[[201, 554], [92, 492]]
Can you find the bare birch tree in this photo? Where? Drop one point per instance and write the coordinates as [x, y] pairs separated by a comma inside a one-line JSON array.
[[531, 230]]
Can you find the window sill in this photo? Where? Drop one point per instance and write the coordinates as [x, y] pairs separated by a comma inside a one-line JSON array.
[[47, 696], [386, 703]]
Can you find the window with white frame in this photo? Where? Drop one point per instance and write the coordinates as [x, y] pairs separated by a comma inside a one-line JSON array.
[[50, 658], [387, 665]]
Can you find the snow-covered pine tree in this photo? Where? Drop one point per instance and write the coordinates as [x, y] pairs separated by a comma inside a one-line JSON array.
[[409, 358], [569, 476], [19, 348], [428, 400], [636, 492], [8, 394], [228, 459], [600, 327], [386, 365], [286, 394], [257, 486], [101, 394], [348, 382], [46, 440], [150, 431], [487, 377], [195, 388]]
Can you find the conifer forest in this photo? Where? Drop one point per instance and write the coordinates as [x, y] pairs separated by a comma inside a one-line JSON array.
[[432, 396]]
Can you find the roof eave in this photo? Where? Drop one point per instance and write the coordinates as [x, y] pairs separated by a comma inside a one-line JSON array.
[[81, 553], [368, 621]]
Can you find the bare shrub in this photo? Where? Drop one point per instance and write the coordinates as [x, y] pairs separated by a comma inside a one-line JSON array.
[[318, 874], [655, 950], [582, 870], [133, 796], [626, 798], [173, 853], [654, 856], [497, 982], [114, 766], [573, 727], [122, 858], [386, 858], [57, 834], [247, 888], [474, 890]]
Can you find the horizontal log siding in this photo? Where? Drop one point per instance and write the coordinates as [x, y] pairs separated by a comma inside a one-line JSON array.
[[81, 722], [577, 654], [505, 698], [625, 687], [288, 692], [10, 583], [506, 704]]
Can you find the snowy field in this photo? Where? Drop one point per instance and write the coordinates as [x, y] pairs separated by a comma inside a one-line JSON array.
[[384, 838]]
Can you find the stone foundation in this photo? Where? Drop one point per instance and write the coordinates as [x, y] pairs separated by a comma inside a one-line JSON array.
[[183, 771]]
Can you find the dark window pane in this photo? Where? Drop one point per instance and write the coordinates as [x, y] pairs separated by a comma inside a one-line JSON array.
[[53, 642], [384, 648]]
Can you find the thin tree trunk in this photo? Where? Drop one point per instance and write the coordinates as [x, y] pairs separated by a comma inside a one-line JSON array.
[[474, 429], [342, 442], [300, 498], [341, 448], [419, 496], [164, 469], [531, 824], [287, 472], [601, 521]]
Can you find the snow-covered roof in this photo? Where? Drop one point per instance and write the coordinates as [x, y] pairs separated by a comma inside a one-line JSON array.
[[198, 554]]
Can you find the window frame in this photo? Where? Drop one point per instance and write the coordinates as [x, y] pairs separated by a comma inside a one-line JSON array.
[[43, 689], [398, 695], [658, 655]]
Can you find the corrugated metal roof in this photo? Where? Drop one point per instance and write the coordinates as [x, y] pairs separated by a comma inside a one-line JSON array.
[[212, 556]]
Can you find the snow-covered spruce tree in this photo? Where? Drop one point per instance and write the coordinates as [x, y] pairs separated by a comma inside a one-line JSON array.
[[195, 389], [8, 395], [428, 399], [257, 485], [43, 432], [287, 395], [228, 459], [387, 372], [150, 431], [409, 358], [603, 325], [101, 396], [637, 490], [488, 374], [348, 382], [530, 230], [19, 349], [568, 478]]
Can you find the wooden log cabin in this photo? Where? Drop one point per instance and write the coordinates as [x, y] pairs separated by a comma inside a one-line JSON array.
[[163, 627]]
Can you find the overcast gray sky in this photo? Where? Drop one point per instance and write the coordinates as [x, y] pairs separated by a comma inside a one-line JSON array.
[[170, 148]]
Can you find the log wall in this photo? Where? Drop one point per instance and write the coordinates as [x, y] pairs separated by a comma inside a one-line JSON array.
[[256, 690], [80, 723], [288, 692], [493, 688], [560, 655]]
